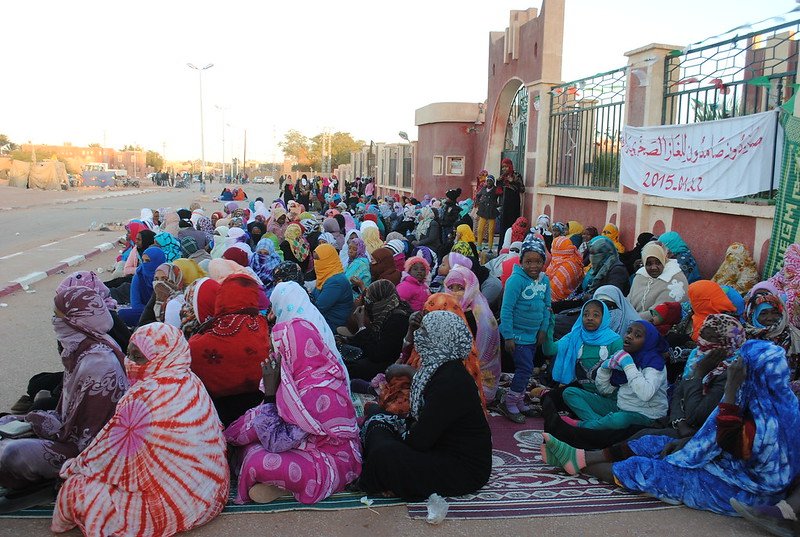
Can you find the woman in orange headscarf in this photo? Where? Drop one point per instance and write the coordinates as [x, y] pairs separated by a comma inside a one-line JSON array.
[[612, 232], [446, 302], [707, 298], [565, 270]]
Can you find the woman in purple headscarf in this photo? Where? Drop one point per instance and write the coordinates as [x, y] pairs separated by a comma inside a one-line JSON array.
[[94, 381]]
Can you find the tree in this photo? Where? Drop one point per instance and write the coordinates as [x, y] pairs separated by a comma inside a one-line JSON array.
[[6, 144], [154, 159], [342, 144], [297, 145]]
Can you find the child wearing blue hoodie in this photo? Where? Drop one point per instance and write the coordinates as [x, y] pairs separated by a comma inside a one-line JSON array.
[[524, 318]]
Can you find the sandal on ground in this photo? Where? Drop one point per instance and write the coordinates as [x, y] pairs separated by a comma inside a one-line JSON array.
[[516, 417]]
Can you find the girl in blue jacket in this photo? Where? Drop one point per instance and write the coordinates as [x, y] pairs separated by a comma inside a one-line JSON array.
[[524, 317]]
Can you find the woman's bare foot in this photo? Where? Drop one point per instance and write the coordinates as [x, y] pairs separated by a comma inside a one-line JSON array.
[[265, 493]]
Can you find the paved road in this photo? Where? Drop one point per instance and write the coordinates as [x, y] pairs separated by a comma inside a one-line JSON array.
[[39, 237], [28, 347]]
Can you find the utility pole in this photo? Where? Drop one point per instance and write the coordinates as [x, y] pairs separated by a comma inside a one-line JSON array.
[[244, 157]]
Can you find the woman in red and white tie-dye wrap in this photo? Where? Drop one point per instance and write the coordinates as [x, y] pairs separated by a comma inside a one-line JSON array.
[[158, 467]]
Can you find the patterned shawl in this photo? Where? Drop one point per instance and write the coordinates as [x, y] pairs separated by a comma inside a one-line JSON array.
[[170, 245], [787, 280], [565, 270], [85, 278], [264, 260], [442, 337], [297, 243], [165, 425], [738, 270]]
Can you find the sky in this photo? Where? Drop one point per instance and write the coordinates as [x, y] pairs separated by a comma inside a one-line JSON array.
[[115, 72]]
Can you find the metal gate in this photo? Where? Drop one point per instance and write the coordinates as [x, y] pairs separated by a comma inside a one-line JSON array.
[[517, 130]]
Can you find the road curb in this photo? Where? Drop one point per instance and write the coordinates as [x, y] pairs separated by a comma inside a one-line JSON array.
[[24, 282], [88, 198]]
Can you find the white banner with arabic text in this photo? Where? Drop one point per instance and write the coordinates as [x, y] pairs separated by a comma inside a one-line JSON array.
[[712, 160]]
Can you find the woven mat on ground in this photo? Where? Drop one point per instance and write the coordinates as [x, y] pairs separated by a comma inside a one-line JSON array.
[[522, 486], [342, 500]]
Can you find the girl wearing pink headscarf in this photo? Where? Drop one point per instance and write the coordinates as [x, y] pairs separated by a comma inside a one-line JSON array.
[[304, 438]]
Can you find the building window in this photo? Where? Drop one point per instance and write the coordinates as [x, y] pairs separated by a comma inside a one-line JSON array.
[[438, 165], [455, 165]]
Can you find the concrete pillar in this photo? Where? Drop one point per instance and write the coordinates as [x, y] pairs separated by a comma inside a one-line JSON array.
[[644, 105]]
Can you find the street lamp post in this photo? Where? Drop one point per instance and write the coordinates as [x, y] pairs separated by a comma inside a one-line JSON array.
[[222, 109], [202, 138]]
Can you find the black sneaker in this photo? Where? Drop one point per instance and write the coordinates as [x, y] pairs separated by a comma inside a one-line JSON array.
[[23, 405]]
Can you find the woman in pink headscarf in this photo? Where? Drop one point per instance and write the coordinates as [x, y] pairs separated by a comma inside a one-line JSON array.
[[158, 467], [462, 283], [304, 438]]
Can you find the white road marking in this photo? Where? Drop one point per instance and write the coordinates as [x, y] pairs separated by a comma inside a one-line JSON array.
[[11, 255], [49, 244]]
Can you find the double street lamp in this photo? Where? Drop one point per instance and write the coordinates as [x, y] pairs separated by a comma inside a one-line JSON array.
[[202, 138]]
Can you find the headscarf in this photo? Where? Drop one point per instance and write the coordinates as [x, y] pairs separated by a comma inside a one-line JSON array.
[[442, 337], [171, 223], [146, 271], [738, 270], [327, 238], [565, 270], [85, 278], [290, 301], [297, 243], [327, 265], [574, 228], [221, 233], [381, 300], [190, 269], [170, 246], [533, 244], [397, 246], [273, 226], [146, 217], [680, 251], [464, 234], [570, 345], [774, 461], [447, 302], [238, 255], [349, 223], [707, 298], [166, 420], [561, 227], [371, 236], [488, 336], [466, 207], [624, 314], [188, 246], [520, 228], [650, 355], [612, 232], [85, 312], [781, 332], [344, 254], [787, 280], [429, 256], [166, 289], [383, 266], [220, 269], [264, 264], [463, 248], [198, 297], [455, 258], [331, 225], [729, 335], [288, 271], [424, 220], [603, 255], [542, 225]]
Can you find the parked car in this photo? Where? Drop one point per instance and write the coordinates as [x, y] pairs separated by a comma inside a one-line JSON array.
[[259, 179], [270, 180]]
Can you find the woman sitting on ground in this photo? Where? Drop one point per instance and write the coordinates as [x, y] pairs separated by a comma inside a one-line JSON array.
[[463, 285], [428, 231], [333, 295], [446, 447], [358, 268], [303, 439], [659, 280], [94, 381], [748, 450], [116, 485], [383, 266], [228, 348], [295, 247], [142, 286], [381, 324]]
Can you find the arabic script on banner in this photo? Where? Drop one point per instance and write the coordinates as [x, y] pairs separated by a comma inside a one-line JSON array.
[[713, 160]]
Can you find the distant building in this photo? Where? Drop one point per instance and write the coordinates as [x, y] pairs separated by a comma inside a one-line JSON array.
[[134, 162]]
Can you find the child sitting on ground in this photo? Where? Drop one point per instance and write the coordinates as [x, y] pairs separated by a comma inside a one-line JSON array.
[[524, 317], [580, 353], [631, 385]]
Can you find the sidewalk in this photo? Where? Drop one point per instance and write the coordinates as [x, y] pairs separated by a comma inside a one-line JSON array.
[[24, 198]]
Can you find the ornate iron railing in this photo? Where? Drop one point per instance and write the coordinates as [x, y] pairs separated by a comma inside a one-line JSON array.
[[586, 120]]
